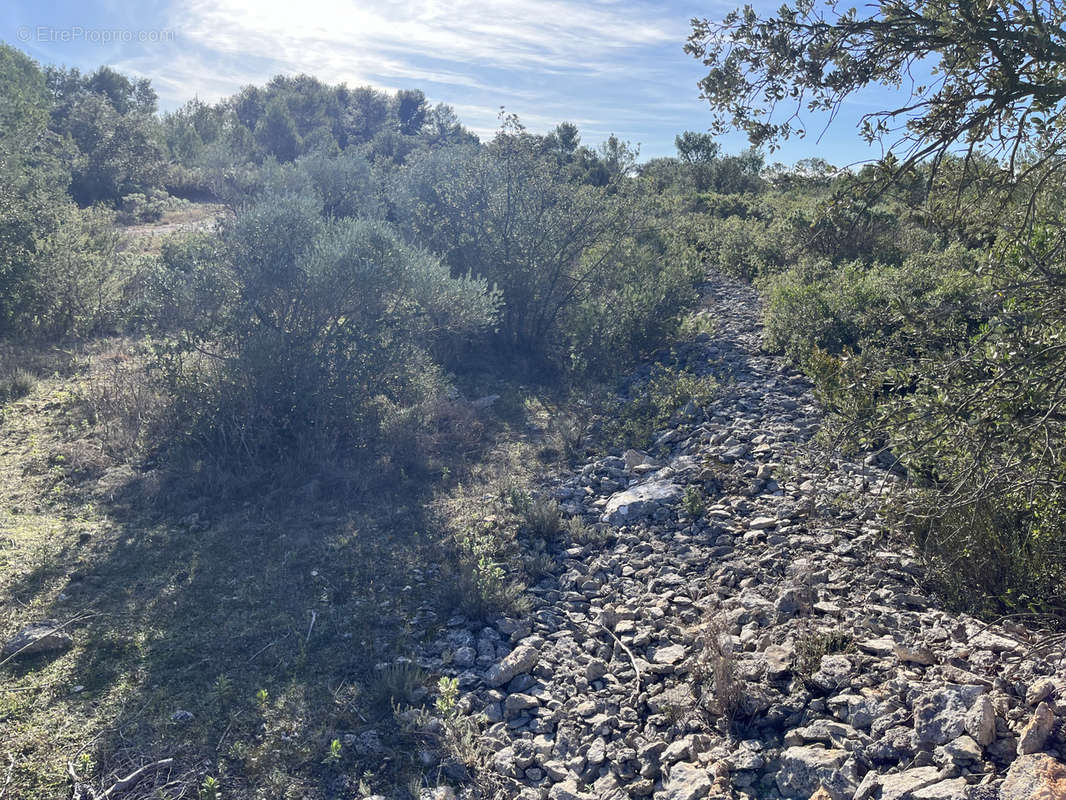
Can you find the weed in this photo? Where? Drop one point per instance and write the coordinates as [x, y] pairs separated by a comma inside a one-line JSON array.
[[813, 645], [569, 432], [580, 533], [696, 324], [447, 697], [209, 789], [538, 565], [16, 384], [393, 683], [517, 498], [222, 690], [542, 518], [333, 755], [715, 669], [693, 502], [85, 766]]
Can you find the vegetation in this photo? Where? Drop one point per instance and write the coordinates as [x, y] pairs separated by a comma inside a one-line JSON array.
[[925, 297], [240, 346]]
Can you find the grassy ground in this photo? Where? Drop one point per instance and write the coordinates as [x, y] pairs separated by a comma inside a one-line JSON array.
[[281, 627]]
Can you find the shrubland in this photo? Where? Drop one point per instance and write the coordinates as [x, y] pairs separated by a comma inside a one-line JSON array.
[[291, 366], [279, 375]]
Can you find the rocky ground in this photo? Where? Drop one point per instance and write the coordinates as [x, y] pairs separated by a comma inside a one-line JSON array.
[[779, 644]]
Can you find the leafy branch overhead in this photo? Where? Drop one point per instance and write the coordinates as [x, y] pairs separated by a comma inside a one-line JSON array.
[[974, 74]]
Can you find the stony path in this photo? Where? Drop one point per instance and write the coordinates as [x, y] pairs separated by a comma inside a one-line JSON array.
[[780, 646]]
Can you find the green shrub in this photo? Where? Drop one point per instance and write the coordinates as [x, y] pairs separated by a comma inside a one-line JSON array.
[[957, 370], [585, 278], [80, 277], [542, 518], [309, 332], [694, 502], [139, 207], [666, 391]]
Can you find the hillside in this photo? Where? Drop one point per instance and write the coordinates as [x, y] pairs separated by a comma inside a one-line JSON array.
[[725, 615], [347, 451]]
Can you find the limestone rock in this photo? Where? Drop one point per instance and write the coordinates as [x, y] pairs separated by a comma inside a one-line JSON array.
[[980, 721], [1035, 734], [38, 637], [519, 661], [806, 769], [940, 715], [686, 782], [1035, 776], [631, 504], [902, 784]]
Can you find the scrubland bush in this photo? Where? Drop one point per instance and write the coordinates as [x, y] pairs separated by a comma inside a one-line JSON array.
[[80, 276], [138, 207], [585, 280], [309, 332]]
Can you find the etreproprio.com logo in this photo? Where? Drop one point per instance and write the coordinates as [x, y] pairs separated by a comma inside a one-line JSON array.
[[77, 33]]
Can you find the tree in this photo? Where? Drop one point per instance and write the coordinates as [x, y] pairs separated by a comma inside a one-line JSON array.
[[32, 180], [366, 114], [121, 153], [411, 110], [276, 132], [581, 278], [997, 82], [696, 148]]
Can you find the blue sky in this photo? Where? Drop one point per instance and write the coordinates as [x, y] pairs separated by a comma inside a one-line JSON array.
[[610, 66]]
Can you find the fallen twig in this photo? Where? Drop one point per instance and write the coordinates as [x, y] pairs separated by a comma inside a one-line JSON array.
[[84, 792], [628, 652]]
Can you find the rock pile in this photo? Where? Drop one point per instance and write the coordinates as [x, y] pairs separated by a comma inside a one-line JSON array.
[[778, 646]]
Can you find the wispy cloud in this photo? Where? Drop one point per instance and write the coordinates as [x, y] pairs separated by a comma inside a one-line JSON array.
[[598, 63], [375, 38]]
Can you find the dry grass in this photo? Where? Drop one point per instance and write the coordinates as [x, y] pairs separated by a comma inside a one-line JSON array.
[[715, 671], [147, 238]]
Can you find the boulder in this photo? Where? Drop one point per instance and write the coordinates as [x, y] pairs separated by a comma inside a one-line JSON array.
[[38, 637], [941, 715], [804, 770], [519, 661], [640, 501], [1036, 776], [686, 782]]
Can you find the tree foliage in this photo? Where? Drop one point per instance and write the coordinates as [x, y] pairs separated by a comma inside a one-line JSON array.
[[976, 75]]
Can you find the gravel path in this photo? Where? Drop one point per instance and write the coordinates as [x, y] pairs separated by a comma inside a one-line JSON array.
[[779, 646]]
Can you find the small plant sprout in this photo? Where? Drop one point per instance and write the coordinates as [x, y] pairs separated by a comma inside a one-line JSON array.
[[261, 698], [448, 696], [333, 755], [209, 789], [85, 764]]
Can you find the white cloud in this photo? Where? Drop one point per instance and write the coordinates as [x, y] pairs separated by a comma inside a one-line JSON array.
[[603, 64], [376, 38]]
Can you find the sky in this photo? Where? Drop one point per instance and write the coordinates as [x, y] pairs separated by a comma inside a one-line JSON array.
[[609, 66]]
